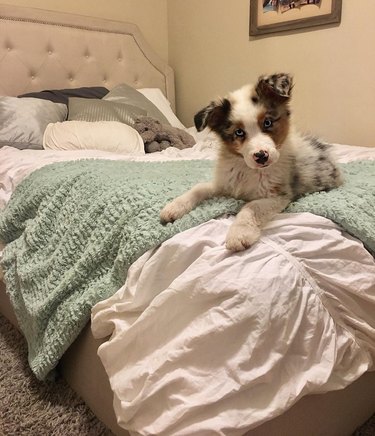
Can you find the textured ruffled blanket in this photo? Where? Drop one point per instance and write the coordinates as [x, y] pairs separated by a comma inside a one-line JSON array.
[[351, 206], [74, 228]]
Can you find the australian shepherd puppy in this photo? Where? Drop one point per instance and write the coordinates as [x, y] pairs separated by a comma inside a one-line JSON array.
[[262, 159]]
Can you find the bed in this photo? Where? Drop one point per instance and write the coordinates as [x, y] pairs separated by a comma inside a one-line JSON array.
[[184, 338]]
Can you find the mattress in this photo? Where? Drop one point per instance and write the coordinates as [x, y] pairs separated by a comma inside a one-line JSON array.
[[224, 342]]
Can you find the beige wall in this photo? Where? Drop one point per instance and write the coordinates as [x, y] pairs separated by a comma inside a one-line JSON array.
[[207, 43], [149, 15], [334, 94]]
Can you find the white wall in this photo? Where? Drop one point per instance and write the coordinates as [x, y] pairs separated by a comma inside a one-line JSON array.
[[334, 94]]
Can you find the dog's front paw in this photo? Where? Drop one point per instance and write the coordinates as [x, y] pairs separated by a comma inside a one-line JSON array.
[[172, 212], [241, 236]]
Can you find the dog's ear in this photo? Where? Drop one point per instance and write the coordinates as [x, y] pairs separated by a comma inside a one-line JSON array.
[[277, 87], [214, 115], [201, 117]]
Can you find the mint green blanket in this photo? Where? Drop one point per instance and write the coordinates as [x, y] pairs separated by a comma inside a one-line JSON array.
[[74, 228], [351, 206]]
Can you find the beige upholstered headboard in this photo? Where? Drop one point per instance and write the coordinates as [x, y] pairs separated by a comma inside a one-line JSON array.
[[51, 50]]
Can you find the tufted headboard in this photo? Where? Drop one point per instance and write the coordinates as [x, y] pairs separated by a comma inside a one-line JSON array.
[[42, 49]]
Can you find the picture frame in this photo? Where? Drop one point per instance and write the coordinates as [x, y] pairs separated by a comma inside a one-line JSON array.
[[288, 15]]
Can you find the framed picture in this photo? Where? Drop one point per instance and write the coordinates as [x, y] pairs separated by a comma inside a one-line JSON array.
[[269, 16]]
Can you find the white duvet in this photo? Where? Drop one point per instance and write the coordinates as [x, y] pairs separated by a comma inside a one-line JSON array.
[[204, 341]]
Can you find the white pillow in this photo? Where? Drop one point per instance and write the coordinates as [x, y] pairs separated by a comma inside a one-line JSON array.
[[156, 96], [110, 136]]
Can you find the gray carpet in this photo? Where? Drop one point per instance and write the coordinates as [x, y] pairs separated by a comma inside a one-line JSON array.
[[29, 407], [367, 429]]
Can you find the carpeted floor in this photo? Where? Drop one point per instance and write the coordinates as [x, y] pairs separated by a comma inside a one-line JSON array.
[[30, 408], [367, 429]]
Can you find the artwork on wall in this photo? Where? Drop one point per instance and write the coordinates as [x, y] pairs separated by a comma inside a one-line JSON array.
[[269, 16]]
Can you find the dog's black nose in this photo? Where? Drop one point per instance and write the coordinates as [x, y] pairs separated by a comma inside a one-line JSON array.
[[261, 157]]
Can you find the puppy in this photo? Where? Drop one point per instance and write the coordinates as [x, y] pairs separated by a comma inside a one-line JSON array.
[[262, 159]]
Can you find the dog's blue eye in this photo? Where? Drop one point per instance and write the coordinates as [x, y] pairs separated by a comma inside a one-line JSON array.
[[267, 123], [240, 133]]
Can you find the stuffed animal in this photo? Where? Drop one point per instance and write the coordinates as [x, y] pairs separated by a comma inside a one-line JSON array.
[[157, 136]]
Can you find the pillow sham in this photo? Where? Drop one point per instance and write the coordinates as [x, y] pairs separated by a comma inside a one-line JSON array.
[[63, 95], [81, 109], [156, 96], [127, 95], [23, 121], [109, 136]]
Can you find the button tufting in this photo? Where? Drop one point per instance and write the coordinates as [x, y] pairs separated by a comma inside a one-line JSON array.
[[9, 48], [50, 52]]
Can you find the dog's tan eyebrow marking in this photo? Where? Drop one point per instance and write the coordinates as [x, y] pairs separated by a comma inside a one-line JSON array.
[[233, 143], [274, 114], [238, 125], [280, 128], [261, 116], [274, 118]]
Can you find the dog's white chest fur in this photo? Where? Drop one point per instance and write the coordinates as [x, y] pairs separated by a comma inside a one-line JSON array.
[[240, 181], [267, 184]]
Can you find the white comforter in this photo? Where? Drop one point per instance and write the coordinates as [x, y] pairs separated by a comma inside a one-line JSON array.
[[208, 342], [204, 341]]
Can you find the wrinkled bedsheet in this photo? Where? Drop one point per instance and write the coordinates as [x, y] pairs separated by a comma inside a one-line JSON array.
[[204, 341]]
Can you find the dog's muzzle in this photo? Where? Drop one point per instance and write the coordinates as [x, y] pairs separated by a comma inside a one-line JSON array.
[[261, 157]]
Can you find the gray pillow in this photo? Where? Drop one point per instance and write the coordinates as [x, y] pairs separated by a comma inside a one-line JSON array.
[[24, 120], [82, 109], [126, 94]]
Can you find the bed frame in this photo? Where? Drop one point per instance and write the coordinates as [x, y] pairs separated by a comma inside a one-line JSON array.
[[35, 55]]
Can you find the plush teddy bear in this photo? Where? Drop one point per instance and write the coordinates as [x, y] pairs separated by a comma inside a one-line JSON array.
[[157, 136]]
